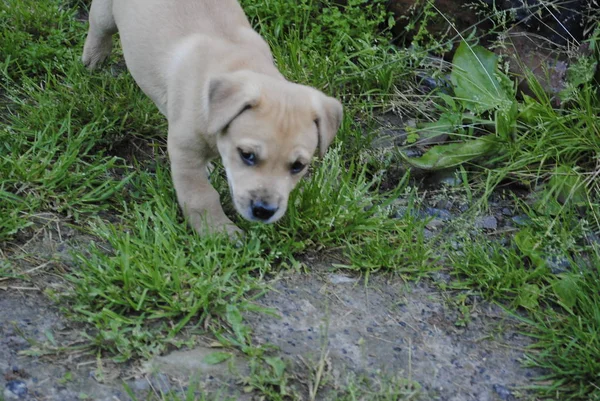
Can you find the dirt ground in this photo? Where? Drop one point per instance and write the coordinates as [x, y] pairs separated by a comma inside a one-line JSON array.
[[385, 330]]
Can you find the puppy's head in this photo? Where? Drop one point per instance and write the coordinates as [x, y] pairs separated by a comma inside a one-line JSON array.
[[267, 132]]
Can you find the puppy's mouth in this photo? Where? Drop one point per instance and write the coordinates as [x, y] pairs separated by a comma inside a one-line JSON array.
[[259, 211], [256, 209]]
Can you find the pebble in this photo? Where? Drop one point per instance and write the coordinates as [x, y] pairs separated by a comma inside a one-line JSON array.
[[438, 213], [487, 222], [140, 385], [503, 392], [161, 383], [558, 264], [341, 279], [592, 239], [435, 224], [522, 220], [413, 153], [15, 389]]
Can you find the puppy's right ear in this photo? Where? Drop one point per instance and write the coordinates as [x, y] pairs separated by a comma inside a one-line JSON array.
[[228, 96]]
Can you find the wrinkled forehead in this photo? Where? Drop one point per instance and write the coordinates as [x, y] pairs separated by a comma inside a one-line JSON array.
[[284, 118]]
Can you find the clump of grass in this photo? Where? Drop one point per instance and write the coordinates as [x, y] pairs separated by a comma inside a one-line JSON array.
[[153, 270], [339, 48]]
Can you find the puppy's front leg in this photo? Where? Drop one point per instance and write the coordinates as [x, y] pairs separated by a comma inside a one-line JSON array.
[[199, 201]]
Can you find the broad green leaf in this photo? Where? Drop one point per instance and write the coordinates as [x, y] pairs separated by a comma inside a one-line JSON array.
[[506, 121], [277, 364], [438, 131], [216, 357], [528, 296], [568, 186], [478, 83], [566, 290], [529, 246], [234, 318], [445, 156]]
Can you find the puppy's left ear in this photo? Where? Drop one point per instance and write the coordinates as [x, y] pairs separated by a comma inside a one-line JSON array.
[[329, 113], [229, 95]]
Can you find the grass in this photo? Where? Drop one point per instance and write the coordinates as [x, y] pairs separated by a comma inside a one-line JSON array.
[[147, 281]]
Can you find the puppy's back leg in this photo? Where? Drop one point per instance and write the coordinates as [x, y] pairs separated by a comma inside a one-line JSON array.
[[98, 43]]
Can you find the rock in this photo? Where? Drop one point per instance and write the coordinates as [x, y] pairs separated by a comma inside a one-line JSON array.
[[428, 234], [522, 220], [435, 224], [160, 382], [457, 11], [341, 279], [140, 385], [504, 393], [446, 177], [592, 239], [558, 264], [525, 52], [438, 213], [558, 25], [487, 222], [15, 389]]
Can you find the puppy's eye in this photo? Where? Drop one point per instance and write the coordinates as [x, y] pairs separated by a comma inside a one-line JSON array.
[[297, 167], [249, 158]]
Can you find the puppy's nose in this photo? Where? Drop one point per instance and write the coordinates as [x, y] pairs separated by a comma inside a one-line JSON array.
[[263, 211]]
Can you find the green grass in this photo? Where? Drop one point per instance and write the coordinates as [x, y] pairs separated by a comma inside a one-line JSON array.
[[148, 281]]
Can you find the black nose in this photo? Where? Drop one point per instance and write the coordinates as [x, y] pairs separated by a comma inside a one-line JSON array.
[[263, 211]]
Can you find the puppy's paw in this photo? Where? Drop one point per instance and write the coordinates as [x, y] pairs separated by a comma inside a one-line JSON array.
[[95, 52], [236, 235], [224, 226]]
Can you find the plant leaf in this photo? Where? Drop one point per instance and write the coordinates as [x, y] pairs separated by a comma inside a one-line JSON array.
[[529, 246], [437, 131], [566, 290], [445, 156], [234, 318], [216, 357], [568, 186], [506, 121], [529, 296], [478, 83]]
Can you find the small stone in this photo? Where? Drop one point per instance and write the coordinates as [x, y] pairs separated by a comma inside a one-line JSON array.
[[447, 177], [558, 264], [522, 220], [507, 212], [438, 213], [341, 279], [16, 389], [444, 204], [161, 383], [503, 392], [435, 224], [413, 153], [428, 234], [592, 239], [487, 222], [140, 385]]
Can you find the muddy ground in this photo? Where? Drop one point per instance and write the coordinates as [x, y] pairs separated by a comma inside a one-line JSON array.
[[384, 331]]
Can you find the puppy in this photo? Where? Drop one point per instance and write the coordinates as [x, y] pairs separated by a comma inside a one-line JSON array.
[[214, 79]]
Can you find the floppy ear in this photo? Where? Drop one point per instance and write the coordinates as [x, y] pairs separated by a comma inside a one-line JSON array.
[[329, 118], [229, 95]]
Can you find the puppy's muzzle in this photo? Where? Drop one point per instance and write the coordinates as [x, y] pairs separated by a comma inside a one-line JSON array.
[[263, 211]]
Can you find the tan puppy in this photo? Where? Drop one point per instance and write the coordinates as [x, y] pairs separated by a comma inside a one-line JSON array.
[[214, 79]]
